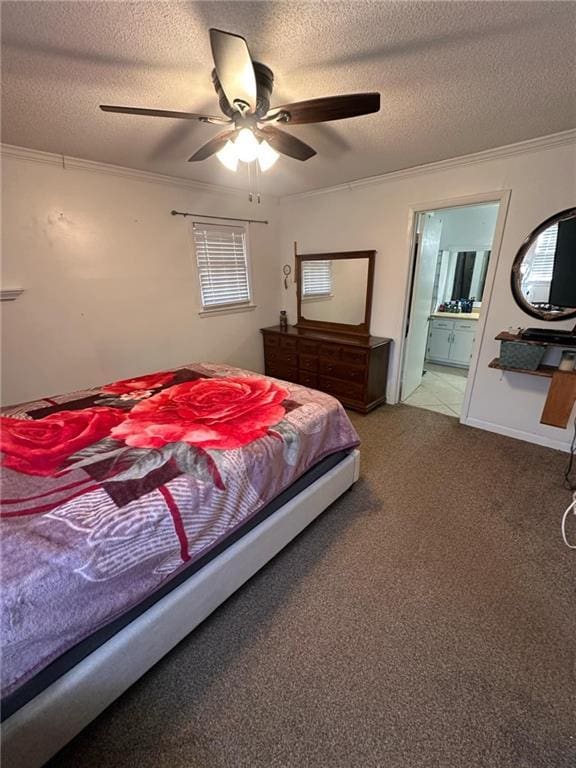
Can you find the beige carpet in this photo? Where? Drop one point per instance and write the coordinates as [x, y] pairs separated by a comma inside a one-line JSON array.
[[425, 620]]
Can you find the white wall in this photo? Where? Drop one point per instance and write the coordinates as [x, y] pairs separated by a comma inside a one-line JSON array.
[[111, 290], [376, 215], [110, 284], [470, 229]]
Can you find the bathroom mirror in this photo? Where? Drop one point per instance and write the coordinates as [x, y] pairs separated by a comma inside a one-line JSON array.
[[460, 275], [335, 291], [543, 278]]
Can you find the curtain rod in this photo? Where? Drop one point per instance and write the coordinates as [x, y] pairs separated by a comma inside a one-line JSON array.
[[223, 218]]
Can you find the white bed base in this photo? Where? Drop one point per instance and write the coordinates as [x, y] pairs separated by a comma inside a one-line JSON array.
[[49, 721]]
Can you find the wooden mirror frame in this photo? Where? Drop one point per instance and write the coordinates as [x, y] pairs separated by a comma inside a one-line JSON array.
[[362, 329], [515, 275]]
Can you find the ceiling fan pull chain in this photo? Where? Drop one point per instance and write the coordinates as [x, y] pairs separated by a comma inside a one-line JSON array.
[[250, 195]]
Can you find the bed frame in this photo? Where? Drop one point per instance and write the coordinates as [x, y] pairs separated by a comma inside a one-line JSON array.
[[45, 724]]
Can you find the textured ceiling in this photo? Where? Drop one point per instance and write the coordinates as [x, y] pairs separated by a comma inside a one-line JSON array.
[[455, 78]]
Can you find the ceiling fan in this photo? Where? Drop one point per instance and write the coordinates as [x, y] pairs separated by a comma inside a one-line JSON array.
[[244, 88]]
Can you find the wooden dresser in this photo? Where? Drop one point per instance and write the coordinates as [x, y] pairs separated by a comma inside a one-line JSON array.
[[353, 369]]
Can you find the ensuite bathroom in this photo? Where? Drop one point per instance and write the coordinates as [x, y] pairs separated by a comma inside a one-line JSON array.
[[452, 252]]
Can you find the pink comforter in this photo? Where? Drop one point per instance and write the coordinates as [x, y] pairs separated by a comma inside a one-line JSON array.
[[108, 493]]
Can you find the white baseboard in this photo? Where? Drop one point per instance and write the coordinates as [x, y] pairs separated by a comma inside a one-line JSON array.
[[518, 434]]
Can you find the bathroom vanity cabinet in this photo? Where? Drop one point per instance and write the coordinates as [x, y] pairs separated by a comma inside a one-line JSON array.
[[451, 340]]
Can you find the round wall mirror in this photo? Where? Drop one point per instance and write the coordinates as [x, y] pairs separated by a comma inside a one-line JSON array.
[[544, 270]]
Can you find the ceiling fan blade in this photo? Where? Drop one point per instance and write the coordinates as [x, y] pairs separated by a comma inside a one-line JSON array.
[[285, 143], [165, 113], [234, 68], [213, 146], [326, 109]]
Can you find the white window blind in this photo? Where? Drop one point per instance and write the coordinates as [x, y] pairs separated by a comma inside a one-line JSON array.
[[222, 264], [316, 278], [543, 260]]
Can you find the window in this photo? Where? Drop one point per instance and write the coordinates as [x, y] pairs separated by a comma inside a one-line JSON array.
[[537, 267], [543, 260], [316, 279], [222, 260]]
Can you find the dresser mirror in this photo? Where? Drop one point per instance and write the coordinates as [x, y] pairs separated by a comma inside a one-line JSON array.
[[335, 291], [543, 275]]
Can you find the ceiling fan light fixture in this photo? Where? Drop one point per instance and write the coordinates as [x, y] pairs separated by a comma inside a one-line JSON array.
[[244, 89], [266, 156], [246, 146], [228, 156]]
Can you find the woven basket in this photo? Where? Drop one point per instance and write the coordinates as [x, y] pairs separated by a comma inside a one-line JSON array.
[[515, 354]]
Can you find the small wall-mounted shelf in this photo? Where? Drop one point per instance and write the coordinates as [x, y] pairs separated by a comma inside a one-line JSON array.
[[506, 336], [542, 370], [562, 391], [9, 294]]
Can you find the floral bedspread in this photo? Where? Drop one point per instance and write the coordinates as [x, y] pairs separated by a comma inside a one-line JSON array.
[[108, 493]]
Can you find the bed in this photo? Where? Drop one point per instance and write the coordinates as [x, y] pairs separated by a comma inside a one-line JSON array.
[[130, 512]]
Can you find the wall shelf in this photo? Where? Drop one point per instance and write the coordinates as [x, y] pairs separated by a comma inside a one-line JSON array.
[[505, 336], [542, 370], [10, 294], [562, 391]]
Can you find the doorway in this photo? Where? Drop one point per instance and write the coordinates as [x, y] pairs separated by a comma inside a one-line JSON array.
[[452, 251]]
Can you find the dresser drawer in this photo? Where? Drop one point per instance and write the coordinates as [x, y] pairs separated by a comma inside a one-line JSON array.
[[308, 379], [343, 389], [308, 347], [343, 371], [284, 372], [270, 340], [280, 357], [288, 343], [308, 362], [330, 351], [355, 356]]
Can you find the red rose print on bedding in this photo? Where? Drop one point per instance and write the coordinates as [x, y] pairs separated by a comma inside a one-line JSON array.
[[139, 383], [217, 413], [40, 446]]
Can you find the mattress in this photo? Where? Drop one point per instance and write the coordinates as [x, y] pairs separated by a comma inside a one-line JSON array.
[[113, 496]]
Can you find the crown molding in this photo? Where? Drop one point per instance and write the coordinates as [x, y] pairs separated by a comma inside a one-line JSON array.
[[78, 164], [564, 138]]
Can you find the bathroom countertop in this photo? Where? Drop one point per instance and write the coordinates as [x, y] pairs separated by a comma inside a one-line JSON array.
[[457, 315]]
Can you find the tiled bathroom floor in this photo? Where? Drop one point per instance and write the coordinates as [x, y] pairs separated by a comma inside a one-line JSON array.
[[442, 390]]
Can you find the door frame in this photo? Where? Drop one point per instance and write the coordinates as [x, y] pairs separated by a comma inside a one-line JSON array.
[[502, 197]]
